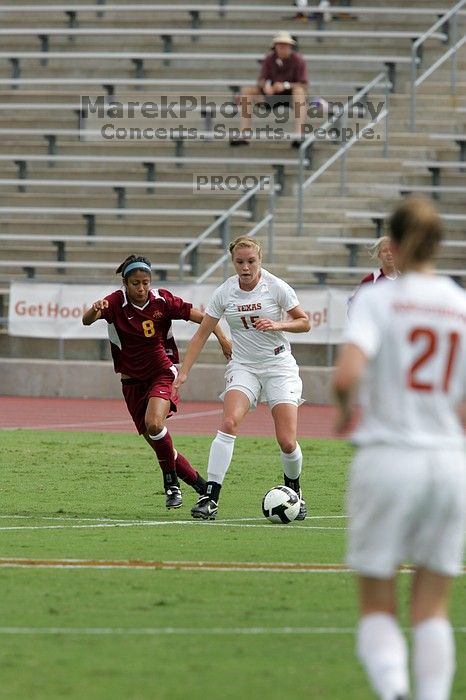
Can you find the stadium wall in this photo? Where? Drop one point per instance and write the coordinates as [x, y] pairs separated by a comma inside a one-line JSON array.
[[75, 379]]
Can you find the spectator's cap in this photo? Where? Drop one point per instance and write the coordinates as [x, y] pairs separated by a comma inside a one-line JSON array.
[[283, 38]]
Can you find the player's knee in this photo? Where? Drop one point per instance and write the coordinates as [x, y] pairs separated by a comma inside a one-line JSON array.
[[230, 426], [286, 445], [155, 426]]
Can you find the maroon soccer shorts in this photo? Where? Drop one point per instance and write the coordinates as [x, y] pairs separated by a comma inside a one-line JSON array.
[[137, 393]]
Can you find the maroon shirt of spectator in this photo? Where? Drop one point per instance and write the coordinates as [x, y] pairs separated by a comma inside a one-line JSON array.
[[283, 72], [287, 70]]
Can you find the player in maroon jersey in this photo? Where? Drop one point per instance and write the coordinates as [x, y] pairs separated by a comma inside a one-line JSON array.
[[139, 328], [381, 250]]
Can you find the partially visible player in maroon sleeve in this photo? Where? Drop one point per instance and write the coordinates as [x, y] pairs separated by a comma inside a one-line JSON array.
[[382, 252], [139, 329]]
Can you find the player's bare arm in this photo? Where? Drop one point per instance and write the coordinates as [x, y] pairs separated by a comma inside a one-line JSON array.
[[225, 343], [348, 372], [193, 350], [298, 323], [461, 410], [95, 312]]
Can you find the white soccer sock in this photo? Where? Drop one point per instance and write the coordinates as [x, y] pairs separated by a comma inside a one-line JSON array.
[[160, 435], [292, 462], [433, 658], [383, 651], [221, 452]]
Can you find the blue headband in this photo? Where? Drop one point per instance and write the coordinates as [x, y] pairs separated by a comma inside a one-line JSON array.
[[136, 266]]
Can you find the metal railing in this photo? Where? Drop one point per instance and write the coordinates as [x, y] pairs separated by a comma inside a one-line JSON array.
[[222, 224], [380, 80], [416, 49]]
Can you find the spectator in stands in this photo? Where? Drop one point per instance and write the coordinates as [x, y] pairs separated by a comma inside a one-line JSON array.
[[301, 6], [282, 80], [319, 13], [406, 344], [254, 303], [139, 328], [381, 250]]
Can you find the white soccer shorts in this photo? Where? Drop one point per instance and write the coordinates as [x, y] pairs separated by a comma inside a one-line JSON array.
[[406, 505], [270, 385]]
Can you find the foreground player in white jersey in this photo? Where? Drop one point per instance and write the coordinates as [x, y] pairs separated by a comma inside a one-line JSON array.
[[253, 302], [406, 342]]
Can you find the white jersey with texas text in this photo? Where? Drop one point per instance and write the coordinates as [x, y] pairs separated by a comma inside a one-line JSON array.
[[270, 298], [413, 331]]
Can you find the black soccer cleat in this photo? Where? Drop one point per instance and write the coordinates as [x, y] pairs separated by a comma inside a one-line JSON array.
[[173, 499], [205, 509]]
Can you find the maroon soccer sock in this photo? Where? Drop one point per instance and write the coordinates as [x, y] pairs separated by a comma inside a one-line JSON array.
[[173, 463], [185, 471], [163, 447]]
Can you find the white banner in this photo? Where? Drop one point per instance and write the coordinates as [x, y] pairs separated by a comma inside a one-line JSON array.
[[55, 311], [327, 311]]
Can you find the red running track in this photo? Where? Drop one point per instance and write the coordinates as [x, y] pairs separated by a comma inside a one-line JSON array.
[[193, 418]]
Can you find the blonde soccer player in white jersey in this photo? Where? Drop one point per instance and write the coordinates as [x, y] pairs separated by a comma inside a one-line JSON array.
[[406, 346], [254, 304]]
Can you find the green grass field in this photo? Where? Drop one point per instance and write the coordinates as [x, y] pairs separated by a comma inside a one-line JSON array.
[[155, 633]]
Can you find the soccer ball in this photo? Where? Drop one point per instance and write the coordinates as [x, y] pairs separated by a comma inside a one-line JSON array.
[[281, 504]]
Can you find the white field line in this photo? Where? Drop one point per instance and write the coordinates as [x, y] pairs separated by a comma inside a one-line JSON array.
[[69, 518], [158, 523], [86, 424], [72, 523], [164, 631], [95, 424], [186, 631], [73, 518], [198, 414]]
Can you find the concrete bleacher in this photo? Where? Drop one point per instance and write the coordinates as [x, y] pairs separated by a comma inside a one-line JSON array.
[[346, 55], [92, 270], [354, 245], [378, 218], [141, 63], [350, 274], [71, 13], [153, 166], [457, 139], [436, 168]]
